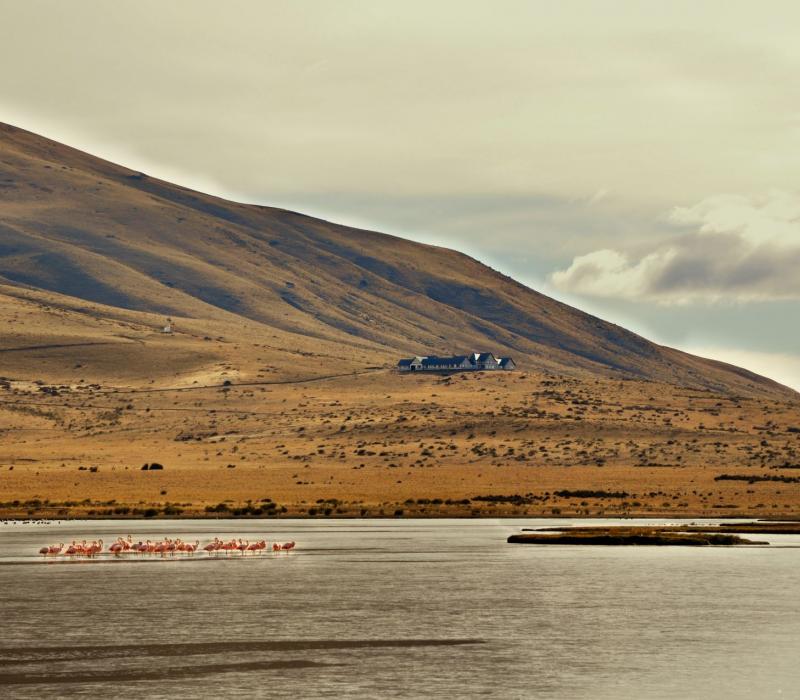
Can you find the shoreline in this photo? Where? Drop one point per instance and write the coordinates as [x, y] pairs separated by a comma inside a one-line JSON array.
[[10, 517]]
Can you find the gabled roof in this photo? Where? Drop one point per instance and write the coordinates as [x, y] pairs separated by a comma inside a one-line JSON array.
[[484, 356]]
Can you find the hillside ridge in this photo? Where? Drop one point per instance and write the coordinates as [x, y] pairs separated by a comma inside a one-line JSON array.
[[74, 225]]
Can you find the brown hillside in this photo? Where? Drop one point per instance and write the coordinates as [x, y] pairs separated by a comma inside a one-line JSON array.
[[77, 229]]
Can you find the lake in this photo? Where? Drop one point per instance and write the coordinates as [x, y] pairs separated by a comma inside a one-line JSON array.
[[396, 609]]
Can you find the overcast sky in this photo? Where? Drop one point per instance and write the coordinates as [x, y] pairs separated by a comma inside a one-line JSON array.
[[640, 160]]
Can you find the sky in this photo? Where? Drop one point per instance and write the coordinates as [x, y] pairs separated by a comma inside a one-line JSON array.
[[638, 160]]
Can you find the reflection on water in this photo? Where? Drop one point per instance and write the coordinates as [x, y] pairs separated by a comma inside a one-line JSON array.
[[396, 609]]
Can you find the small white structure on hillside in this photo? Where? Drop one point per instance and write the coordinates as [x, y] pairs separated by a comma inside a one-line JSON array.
[[168, 327]]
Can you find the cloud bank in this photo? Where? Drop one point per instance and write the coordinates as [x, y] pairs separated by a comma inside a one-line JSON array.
[[735, 248], [417, 99]]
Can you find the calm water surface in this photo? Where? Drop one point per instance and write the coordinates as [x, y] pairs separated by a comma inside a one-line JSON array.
[[397, 609]]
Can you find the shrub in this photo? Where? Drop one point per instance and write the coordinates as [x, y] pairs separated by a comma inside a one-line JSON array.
[[591, 494]]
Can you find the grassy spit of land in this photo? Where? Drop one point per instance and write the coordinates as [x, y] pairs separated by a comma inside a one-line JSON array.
[[679, 535], [641, 536]]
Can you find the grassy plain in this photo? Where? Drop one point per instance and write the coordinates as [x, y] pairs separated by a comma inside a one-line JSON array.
[[293, 435]]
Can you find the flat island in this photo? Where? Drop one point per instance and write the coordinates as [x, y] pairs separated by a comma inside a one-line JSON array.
[[672, 535]]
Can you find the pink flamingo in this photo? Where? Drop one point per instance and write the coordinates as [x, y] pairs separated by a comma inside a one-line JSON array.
[[94, 548], [44, 551], [288, 545]]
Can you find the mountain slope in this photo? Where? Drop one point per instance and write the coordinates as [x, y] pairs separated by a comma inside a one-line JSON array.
[[83, 228]]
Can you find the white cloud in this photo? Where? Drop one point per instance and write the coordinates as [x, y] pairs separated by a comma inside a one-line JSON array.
[[610, 273], [771, 218], [739, 249]]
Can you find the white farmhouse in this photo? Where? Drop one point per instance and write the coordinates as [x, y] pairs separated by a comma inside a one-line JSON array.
[[473, 361]]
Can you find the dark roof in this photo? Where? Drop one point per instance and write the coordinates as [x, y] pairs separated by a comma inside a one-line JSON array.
[[440, 361], [434, 361]]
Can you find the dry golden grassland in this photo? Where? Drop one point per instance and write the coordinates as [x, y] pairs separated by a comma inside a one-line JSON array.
[[378, 443]]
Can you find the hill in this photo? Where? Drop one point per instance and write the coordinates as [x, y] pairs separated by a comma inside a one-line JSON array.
[[276, 394], [83, 228]]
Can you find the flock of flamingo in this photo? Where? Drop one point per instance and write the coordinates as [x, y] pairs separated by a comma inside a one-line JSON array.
[[166, 547]]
